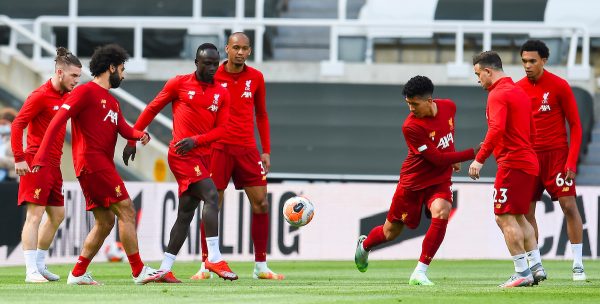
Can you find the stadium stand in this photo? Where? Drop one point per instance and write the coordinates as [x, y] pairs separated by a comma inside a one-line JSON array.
[[329, 127]]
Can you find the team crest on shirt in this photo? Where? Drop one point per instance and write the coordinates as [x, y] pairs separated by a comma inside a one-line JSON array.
[[545, 107], [432, 135], [191, 94], [118, 191], [247, 93], [451, 123], [215, 103], [197, 169], [36, 193], [103, 103], [224, 84], [55, 108]]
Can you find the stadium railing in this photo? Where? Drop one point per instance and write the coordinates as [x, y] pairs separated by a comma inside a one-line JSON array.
[[340, 27], [18, 28]]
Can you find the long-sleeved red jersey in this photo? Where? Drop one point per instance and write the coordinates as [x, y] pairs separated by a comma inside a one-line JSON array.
[[96, 119], [552, 101], [35, 115], [247, 91], [431, 153], [200, 111], [510, 128]]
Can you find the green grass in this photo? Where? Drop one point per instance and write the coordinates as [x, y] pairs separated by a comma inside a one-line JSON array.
[[314, 282]]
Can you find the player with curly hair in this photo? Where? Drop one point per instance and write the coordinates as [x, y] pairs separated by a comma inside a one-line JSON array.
[[96, 120]]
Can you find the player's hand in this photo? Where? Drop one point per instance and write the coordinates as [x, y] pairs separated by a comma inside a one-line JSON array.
[[474, 169], [265, 158], [185, 145], [569, 175], [129, 151], [456, 167], [22, 168], [145, 139], [36, 169]]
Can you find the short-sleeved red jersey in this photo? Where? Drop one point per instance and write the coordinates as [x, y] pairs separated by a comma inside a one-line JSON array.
[[247, 91], [553, 101], [431, 153], [35, 115], [96, 119], [200, 111], [510, 128]]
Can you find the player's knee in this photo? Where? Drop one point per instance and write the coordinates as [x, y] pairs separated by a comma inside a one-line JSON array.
[[569, 209], [105, 226], [34, 218], [441, 213], [212, 197], [186, 216], [261, 206], [56, 218]]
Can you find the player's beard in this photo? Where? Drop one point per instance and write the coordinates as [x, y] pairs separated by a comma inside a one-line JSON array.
[[114, 80]]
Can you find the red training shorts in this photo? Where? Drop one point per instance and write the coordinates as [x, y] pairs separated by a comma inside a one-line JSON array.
[[241, 163], [42, 188], [552, 175], [188, 168], [513, 190], [407, 204], [102, 188]]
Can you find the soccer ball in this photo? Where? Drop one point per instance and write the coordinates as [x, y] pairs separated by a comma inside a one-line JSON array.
[[298, 211], [115, 252]]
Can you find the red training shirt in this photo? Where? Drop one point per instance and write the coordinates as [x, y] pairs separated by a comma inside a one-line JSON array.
[[552, 101], [200, 111], [247, 91], [35, 115], [510, 128], [431, 153], [96, 119]]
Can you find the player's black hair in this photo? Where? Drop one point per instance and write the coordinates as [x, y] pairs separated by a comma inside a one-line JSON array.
[[105, 56], [65, 58], [205, 46], [488, 59], [418, 86], [534, 45]]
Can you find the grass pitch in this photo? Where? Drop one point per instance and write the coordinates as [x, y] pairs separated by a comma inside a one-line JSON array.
[[313, 282]]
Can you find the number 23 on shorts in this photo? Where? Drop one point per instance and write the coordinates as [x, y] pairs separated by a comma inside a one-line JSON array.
[[500, 195]]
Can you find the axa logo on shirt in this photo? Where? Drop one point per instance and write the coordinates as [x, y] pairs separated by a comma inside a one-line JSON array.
[[445, 141], [247, 93], [215, 104], [113, 116], [545, 107]]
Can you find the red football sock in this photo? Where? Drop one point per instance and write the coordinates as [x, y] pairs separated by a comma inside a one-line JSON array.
[[375, 237], [260, 235], [203, 240], [433, 239], [81, 266], [136, 264]]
